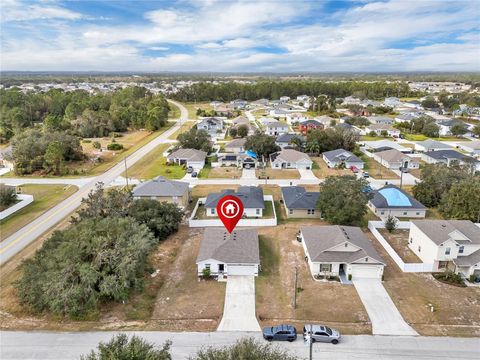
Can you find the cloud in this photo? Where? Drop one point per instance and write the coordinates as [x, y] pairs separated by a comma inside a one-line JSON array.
[[13, 10], [239, 35]]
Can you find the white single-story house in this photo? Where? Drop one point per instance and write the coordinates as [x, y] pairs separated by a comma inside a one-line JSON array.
[[290, 159], [380, 128], [251, 197], [390, 200], [394, 160], [162, 189], [448, 244], [431, 145], [190, 157], [471, 147], [381, 120], [340, 251], [235, 146], [384, 144], [449, 158], [299, 203], [225, 254], [341, 157], [445, 126]]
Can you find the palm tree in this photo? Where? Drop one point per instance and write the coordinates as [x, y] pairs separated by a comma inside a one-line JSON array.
[[313, 147], [297, 143]]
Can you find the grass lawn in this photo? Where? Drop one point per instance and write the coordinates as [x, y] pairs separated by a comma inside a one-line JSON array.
[[184, 128], [376, 170], [192, 108], [398, 240], [317, 301], [456, 310], [154, 164], [420, 137], [227, 172], [371, 138], [321, 170], [45, 197], [277, 173]]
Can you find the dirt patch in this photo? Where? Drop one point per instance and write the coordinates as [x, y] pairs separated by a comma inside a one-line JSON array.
[[323, 302], [321, 170], [229, 172], [456, 310], [399, 241], [277, 174]]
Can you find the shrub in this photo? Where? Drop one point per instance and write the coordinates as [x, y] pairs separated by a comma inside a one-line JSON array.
[[120, 347], [350, 277], [87, 141], [391, 223], [114, 146], [96, 145], [473, 278], [8, 196], [206, 273], [449, 277]]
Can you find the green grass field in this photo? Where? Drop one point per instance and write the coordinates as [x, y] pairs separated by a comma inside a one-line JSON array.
[[45, 197]]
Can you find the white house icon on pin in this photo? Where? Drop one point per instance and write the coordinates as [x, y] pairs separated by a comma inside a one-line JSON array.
[[230, 209]]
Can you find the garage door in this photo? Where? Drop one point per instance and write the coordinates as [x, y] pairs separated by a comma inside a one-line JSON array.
[[366, 271], [242, 270]]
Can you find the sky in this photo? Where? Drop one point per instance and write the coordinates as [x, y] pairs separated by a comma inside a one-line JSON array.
[[240, 36]]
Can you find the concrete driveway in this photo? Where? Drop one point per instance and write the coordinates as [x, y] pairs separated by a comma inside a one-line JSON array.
[[248, 174], [384, 315], [239, 308], [307, 174]]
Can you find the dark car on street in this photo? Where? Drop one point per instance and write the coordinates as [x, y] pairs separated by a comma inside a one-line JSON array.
[[280, 333]]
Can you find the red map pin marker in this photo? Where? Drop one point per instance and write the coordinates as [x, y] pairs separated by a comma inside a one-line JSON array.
[[230, 211]]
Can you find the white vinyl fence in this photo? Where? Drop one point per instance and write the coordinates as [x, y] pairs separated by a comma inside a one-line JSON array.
[[243, 222], [405, 267], [25, 200]]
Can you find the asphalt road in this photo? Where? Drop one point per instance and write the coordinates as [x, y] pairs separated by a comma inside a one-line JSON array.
[[53, 345], [19, 240]]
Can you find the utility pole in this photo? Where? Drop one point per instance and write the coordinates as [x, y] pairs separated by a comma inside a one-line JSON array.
[[295, 288], [309, 340], [126, 175]]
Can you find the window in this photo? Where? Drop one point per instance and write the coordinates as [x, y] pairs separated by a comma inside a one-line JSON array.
[[419, 249], [442, 264], [325, 267], [417, 213], [411, 240], [447, 251], [290, 211], [212, 211], [257, 211], [311, 211], [382, 213], [207, 266], [461, 249], [404, 213], [346, 244], [366, 259]]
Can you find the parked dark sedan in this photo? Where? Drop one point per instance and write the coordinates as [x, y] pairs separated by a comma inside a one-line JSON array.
[[280, 333]]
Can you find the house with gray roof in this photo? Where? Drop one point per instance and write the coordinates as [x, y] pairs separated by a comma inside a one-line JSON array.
[[391, 200], [236, 146], [449, 158], [251, 197], [394, 160], [381, 120], [276, 128], [445, 126], [471, 147], [225, 254], [431, 145], [342, 158], [285, 140], [212, 125], [162, 189], [188, 157], [300, 203], [290, 159], [447, 244], [340, 251]]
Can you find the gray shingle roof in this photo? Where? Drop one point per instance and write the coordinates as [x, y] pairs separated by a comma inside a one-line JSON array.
[[439, 230], [286, 138], [235, 143], [341, 155], [433, 144], [319, 239], [239, 247], [449, 154], [251, 197], [188, 154], [380, 202], [160, 187], [472, 259], [289, 155], [295, 197]]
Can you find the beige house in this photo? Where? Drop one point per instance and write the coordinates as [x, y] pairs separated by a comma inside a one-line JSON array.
[[162, 189], [290, 159], [299, 203], [235, 146], [394, 160]]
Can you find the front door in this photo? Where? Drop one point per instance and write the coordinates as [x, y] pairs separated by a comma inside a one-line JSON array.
[[221, 268]]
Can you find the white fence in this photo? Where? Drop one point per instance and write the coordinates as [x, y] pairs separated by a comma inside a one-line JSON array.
[[405, 267], [25, 200], [243, 222]]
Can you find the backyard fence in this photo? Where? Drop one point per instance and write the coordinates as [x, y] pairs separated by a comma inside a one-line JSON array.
[[25, 200], [405, 267]]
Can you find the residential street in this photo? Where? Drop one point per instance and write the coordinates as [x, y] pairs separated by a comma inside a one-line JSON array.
[[16, 242], [54, 345]]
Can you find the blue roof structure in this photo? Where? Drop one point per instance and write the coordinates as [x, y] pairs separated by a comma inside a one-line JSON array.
[[395, 197], [251, 154]]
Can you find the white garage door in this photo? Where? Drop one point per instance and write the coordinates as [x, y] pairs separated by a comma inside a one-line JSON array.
[[242, 269], [366, 271]]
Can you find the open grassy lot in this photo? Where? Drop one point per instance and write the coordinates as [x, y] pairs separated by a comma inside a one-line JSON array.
[[420, 137], [321, 170], [154, 164], [376, 170], [456, 310], [398, 240], [325, 302], [192, 108], [45, 197], [184, 302], [277, 173], [227, 172]]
